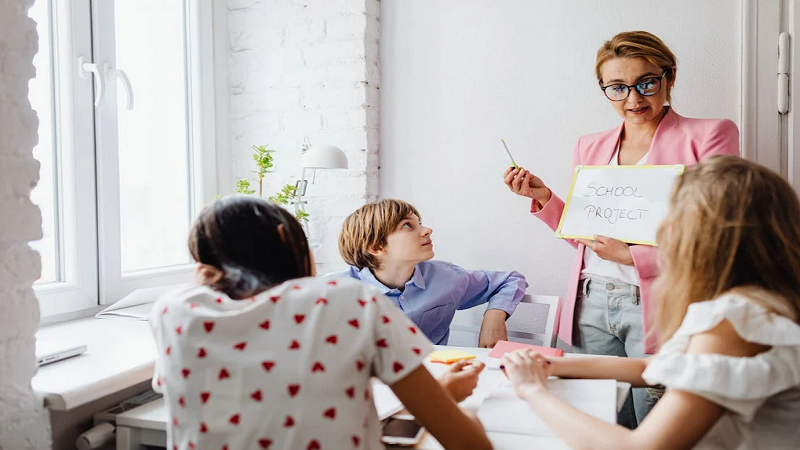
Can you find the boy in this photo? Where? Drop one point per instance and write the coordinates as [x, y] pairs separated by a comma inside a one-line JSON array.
[[386, 246]]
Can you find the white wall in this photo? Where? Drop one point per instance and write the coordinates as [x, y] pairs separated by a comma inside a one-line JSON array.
[[458, 75], [23, 424], [301, 68]]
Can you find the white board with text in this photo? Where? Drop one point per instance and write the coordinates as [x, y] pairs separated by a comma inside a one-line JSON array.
[[622, 202]]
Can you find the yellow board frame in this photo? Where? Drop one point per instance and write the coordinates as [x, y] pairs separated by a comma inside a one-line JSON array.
[[681, 169]]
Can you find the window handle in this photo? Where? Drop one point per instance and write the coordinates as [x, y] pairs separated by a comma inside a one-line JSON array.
[[126, 83], [84, 69]]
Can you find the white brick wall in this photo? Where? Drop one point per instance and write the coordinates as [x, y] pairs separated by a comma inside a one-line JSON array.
[[23, 423], [300, 68]]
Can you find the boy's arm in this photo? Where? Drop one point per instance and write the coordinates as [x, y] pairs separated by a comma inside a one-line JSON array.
[[503, 291]]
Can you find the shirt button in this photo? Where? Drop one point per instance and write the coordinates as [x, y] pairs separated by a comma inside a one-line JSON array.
[[403, 298], [610, 286]]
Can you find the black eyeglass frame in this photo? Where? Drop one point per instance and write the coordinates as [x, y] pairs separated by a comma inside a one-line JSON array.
[[634, 86]]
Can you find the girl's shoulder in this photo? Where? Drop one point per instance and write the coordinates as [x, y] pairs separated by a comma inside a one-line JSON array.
[[757, 316]]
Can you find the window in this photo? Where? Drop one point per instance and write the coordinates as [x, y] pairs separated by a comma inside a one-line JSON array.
[[119, 93]]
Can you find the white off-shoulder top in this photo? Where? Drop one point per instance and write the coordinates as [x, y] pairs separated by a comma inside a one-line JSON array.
[[761, 394]]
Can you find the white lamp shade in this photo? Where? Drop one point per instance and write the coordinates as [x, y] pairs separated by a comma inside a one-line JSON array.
[[324, 157]]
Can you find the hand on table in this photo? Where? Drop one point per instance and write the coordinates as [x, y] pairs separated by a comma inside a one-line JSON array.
[[527, 370], [609, 249], [461, 379], [493, 328]]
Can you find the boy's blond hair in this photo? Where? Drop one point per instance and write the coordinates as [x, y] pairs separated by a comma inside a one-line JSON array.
[[367, 229]]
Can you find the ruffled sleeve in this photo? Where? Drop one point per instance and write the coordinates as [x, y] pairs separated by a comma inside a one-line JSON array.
[[739, 384]]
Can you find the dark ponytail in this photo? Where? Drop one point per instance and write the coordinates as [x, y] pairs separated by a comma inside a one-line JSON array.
[[239, 235]]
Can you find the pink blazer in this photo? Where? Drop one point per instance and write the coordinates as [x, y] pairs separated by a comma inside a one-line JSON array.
[[678, 140]]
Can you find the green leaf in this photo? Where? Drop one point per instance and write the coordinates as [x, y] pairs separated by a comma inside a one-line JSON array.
[[243, 187]]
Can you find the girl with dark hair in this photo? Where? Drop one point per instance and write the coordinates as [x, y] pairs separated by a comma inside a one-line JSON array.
[[261, 355]]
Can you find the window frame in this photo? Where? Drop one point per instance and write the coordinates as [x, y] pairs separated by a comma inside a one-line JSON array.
[[88, 180]]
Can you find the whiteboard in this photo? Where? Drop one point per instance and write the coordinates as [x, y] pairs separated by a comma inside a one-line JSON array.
[[622, 202]]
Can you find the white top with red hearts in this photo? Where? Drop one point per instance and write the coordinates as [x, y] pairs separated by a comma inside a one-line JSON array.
[[287, 369]]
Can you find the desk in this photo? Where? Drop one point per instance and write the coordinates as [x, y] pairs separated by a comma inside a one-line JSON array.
[[121, 353], [146, 425]]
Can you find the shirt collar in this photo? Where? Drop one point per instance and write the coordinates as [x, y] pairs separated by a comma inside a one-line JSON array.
[[367, 276]]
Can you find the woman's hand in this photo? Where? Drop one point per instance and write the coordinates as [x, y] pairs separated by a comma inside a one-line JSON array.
[[526, 184], [527, 370], [461, 379], [609, 249]]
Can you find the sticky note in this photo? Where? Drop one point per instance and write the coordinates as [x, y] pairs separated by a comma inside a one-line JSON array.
[[450, 356]]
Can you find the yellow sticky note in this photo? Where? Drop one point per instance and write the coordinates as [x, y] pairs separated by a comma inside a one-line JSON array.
[[450, 356]]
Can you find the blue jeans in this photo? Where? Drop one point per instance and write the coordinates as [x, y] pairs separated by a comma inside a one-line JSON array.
[[610, 323]]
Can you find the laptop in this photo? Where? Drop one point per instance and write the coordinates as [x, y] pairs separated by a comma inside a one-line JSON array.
[[51, 351]]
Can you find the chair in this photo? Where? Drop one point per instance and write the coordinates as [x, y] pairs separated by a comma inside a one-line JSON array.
[[535, 321]]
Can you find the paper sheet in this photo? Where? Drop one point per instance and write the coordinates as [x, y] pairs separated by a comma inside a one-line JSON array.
[[504, 412], [138, 304]]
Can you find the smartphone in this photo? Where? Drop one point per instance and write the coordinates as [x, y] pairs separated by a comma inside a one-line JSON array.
[[402, 430]]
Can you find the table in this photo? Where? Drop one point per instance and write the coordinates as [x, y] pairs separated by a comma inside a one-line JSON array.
[[146, 425]]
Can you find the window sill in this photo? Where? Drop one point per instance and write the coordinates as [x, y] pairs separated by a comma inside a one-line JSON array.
[[121, 353]]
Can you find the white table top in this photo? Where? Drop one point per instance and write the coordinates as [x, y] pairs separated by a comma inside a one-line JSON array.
[[153, 416], [121, 353]]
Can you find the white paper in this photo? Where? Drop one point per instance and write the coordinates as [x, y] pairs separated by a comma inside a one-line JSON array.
[[623, 203], [386, 403], [138, 304], [504, 412]]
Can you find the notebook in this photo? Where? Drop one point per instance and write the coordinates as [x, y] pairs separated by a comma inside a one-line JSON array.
[[51, 351], [502, 411], [503, 347]]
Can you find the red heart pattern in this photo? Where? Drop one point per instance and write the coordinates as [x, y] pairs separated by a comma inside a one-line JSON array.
[[317, 366]]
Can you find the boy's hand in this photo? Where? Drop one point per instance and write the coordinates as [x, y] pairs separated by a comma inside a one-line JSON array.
[[461, 378], [493, 328]]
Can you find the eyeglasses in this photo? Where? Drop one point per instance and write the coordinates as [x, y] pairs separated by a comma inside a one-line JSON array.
[[646, 88]]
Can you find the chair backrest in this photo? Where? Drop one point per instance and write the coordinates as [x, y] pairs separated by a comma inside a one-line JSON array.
[[535, 321]]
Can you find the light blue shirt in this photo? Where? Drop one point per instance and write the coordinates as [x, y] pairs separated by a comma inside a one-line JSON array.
[[438, 288]]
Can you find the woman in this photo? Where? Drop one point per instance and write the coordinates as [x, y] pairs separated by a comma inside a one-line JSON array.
[[609, 287], [731, 326], [261, 356]]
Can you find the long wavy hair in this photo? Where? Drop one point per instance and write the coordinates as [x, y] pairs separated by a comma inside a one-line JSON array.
[[254, 244], [733, 225]]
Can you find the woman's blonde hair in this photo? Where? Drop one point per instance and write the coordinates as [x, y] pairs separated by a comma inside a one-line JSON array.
[[638, 44], [732, 225], [367, 229]]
